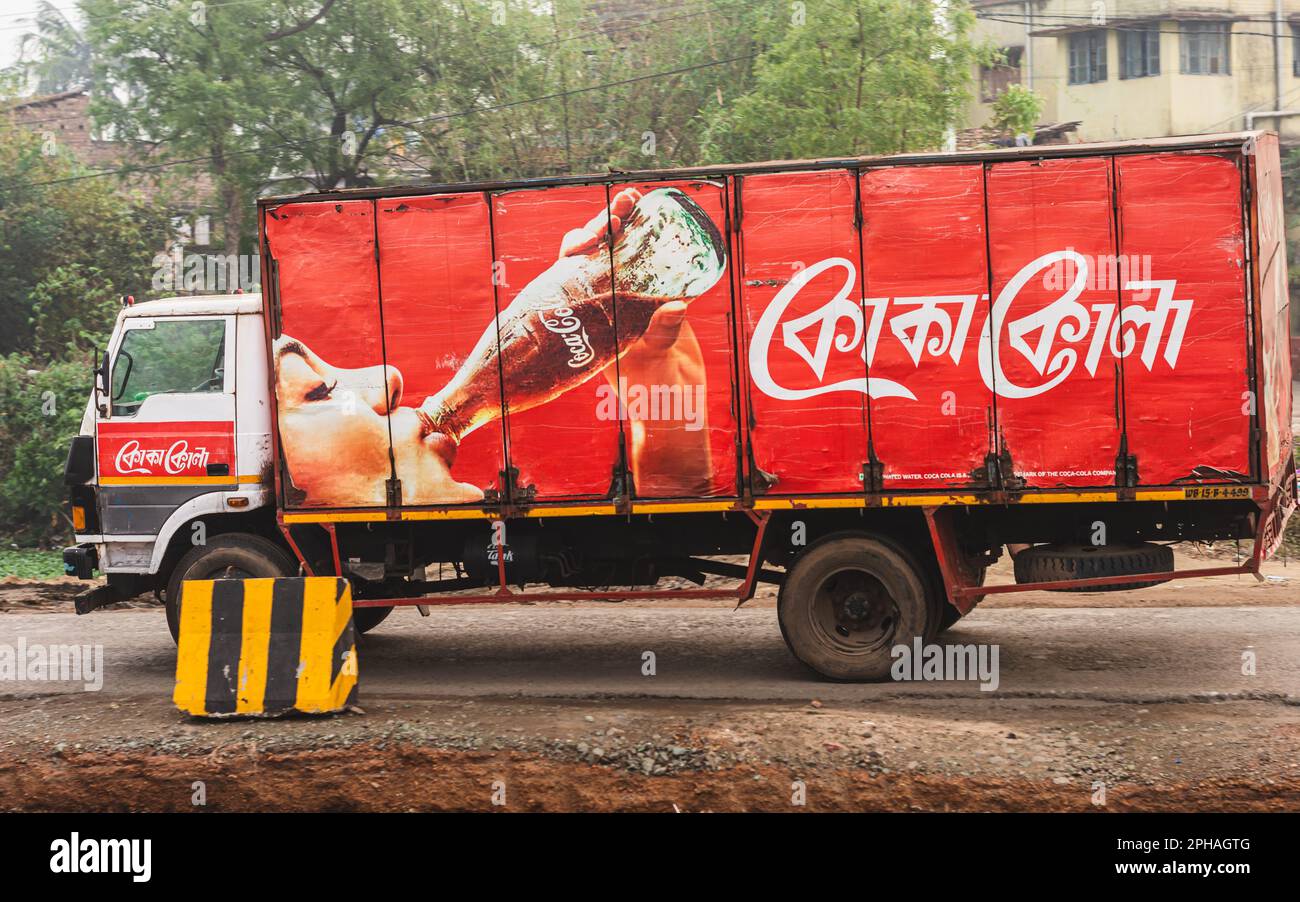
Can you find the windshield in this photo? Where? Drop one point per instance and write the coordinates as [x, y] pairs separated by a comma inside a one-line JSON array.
[[175, 356]]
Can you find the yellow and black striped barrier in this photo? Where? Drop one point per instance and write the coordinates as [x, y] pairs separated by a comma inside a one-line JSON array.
[[266, 646]]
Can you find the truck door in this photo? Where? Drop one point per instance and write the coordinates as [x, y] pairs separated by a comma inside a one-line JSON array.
[[804, 332], [168, 431]]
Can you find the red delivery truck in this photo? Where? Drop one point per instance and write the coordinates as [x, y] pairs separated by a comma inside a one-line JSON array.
[[862, 379]]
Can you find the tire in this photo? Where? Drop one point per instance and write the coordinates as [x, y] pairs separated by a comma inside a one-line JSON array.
[[366, 619], [233, 555], [1054, 563], [847, 601]]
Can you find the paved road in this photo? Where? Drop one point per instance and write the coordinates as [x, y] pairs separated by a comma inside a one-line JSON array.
[[553, 651]]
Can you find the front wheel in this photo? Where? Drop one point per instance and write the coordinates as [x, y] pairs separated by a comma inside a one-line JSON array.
[[366, 619], [234, 555], [847, 602]]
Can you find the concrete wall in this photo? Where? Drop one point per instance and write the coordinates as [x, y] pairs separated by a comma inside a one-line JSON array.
[[1155, 106]]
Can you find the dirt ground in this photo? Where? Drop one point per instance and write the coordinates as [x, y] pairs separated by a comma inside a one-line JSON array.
[[785, 742]]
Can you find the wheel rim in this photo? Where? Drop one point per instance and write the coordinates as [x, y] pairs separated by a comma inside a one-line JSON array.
[[854, 612]]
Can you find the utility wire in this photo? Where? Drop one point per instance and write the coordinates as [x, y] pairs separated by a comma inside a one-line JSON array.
[[441, 117]]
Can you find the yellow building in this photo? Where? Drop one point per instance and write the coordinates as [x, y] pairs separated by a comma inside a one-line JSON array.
[[1147, 68]]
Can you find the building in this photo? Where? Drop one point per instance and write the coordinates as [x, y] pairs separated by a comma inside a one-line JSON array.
[[1120, 69], [64, 125], [1147, 68]]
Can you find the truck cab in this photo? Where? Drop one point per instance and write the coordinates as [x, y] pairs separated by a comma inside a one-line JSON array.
[[174, 448]]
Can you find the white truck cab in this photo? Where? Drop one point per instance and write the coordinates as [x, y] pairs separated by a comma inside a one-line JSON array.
[[175, 444]]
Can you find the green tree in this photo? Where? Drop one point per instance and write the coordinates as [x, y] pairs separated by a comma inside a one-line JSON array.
[[40, 412], [1016, 110], [178, 80], [854, 77], [334, 82], [70, 246]]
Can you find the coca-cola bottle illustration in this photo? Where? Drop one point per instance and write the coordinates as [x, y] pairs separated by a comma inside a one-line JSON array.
[[559, 330]]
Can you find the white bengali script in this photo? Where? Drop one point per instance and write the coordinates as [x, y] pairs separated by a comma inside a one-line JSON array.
[[176, 459], [937, 326]]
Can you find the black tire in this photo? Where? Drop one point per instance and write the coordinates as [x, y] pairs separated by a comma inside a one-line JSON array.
[[234, 555], [847, 601], [1055, 563], [366, 619]]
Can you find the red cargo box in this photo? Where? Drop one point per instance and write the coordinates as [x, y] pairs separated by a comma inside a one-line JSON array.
[[1049, 319]]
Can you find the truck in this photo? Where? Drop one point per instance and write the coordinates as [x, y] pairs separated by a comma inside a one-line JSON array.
[[861, 379]]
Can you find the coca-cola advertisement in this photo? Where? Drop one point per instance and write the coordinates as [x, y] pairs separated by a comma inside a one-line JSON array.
[[607, 326], [782, 333]]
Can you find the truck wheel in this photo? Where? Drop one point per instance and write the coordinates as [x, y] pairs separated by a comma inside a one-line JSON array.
[[366, 619], [234, 555], [847, 601], [1055, 563]]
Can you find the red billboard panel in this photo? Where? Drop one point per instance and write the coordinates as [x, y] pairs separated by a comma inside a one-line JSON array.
[[1184, 333], [164, 450], [675, 370], [332, 390], [1054, 301], [554, 290], [440, 334], [926, 305], [804, 332]]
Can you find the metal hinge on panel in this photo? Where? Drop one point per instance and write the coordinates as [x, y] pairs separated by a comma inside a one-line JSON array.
[[393, 491], [998, 471], [873, 473], [1007, 478], [760, 480], [510, 487], [1126, 466], [620, 483]]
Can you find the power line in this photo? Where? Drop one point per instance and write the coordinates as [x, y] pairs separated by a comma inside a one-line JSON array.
[[130, 170], [1107, 27]]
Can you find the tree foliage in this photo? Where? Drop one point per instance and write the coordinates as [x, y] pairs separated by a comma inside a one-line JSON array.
[[853, 77], [233, 99], [69, 248]]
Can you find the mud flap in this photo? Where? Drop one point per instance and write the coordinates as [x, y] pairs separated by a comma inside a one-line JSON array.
[[266, 647]]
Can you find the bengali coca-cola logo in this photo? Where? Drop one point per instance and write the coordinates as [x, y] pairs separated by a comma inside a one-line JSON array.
[[131, 458], [565, 323], [1053, 339]]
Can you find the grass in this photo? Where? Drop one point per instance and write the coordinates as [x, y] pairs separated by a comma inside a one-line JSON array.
[[30, 563]]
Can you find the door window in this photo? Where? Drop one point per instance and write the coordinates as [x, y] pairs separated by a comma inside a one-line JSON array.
[[172, 357]]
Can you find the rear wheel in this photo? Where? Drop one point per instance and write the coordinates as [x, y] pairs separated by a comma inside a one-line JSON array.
[[233, 555], [847, 601]]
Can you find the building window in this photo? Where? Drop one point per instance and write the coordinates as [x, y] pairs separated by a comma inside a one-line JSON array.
[[1205, 47], [1295, 52], [1139, 52], [1087, 57], [996, 79]]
